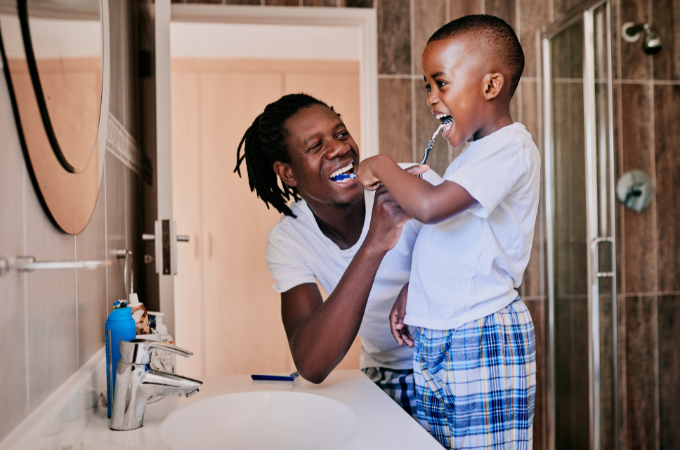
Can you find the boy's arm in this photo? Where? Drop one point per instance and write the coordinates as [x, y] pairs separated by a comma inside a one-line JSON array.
[[420, 199]]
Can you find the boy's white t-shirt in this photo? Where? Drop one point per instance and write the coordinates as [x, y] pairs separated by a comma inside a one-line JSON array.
[[298, 252], [467, 267]]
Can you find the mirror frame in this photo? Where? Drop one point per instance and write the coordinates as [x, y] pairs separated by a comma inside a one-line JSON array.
[[67, 207]]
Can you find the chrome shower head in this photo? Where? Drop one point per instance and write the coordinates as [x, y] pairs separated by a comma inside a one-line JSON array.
[[651, 42]]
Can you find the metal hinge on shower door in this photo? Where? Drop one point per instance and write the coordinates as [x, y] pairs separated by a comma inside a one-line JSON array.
[[165, 240]]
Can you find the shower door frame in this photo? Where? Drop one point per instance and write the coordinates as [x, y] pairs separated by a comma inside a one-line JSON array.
[[583, 11]]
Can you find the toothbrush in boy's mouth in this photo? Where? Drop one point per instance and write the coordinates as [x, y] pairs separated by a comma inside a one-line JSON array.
[[446, 122], [342, 174]]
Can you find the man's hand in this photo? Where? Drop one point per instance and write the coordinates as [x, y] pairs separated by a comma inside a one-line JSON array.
[[388, 218], [399, 330]]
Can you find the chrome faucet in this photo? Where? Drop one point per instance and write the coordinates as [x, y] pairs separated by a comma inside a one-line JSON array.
[[137, 384]]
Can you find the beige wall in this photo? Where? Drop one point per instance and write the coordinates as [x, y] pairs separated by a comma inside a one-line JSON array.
[[53, 322], [226, 310]]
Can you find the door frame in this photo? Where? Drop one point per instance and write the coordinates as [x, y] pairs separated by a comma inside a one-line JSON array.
[[165, 13]]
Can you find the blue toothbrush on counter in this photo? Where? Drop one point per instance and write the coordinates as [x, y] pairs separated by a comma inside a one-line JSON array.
[[290, 377]]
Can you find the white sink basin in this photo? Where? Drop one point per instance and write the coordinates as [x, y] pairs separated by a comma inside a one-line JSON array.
[[261, 420]]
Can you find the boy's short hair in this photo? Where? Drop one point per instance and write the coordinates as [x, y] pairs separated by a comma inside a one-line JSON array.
[[488, 33]]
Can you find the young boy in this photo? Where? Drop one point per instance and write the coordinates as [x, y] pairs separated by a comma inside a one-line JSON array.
[[474, 355]]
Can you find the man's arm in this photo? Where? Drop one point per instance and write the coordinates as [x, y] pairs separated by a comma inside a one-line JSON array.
[[320, 333], [423, 201]]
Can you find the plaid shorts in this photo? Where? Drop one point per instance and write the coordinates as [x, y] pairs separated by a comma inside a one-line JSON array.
[[398, 384], [475, 385]]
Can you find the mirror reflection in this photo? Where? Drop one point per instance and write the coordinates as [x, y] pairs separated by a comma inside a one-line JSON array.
[[66, 41]]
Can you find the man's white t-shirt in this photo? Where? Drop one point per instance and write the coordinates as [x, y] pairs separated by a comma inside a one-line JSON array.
[[298, 252], [467, 267]]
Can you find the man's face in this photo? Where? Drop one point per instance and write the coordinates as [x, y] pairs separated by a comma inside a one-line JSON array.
[[320, 146], [454, 82]]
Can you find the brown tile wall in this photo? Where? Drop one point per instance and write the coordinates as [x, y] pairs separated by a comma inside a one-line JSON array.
[[52, 322], [647, 102]]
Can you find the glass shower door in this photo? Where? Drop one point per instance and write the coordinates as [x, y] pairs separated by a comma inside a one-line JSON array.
[[579, 202]]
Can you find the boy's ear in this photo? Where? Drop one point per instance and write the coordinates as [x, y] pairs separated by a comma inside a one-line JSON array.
[[493, 85], [285, 173]]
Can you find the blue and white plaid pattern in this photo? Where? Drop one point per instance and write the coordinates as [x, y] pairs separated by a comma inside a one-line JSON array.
[[475, 385], [398, 384]]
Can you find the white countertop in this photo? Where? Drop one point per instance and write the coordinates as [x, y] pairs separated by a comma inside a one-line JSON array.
[[382, 423]]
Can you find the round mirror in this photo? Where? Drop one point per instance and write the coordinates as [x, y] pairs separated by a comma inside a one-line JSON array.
[[55, 61]]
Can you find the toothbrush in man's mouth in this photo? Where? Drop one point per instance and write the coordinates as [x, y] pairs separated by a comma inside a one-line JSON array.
[[342, 174], [446, 122]]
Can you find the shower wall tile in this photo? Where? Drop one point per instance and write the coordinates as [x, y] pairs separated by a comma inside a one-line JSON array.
[[640, 264], [533, 14], [464, 8], [282, 2], [562, 7], [502, 8], [642, 384], [332, 3], [426, 125], [634, 64], [615, 39], [667, 144], [607, 374], [394, 103], [357, 3], [537, 311], [623, 383], [532, 283], [618, 171], [243, 2], [666, 16], [428, 17], [669, 368], [394, 37]]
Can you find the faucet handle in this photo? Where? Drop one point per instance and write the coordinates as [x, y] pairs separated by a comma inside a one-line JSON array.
[[137, 351]]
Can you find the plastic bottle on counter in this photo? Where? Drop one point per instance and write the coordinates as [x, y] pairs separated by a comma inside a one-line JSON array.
[[120, 326]]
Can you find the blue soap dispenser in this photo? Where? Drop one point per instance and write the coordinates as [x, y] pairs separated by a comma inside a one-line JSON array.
[[120, 326]]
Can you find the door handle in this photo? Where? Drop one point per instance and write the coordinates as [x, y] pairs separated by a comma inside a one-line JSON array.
[[165, 245], [593, 250]]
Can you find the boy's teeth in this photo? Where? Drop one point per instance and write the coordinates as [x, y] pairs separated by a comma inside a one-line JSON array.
[[343, 170]]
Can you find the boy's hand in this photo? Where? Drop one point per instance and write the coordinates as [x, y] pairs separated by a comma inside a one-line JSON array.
[[366, 173], [399, 330]]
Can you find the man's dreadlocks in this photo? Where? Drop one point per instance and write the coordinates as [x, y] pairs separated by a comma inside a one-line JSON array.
[[264, 143]]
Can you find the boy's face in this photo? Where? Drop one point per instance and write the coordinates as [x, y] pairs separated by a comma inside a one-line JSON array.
[[454, 80]]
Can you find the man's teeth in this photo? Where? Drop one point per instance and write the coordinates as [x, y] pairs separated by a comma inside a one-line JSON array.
[[442, 116], [343, 170]]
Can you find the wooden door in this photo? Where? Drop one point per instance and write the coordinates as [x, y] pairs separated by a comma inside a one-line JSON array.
[[226, 310]]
